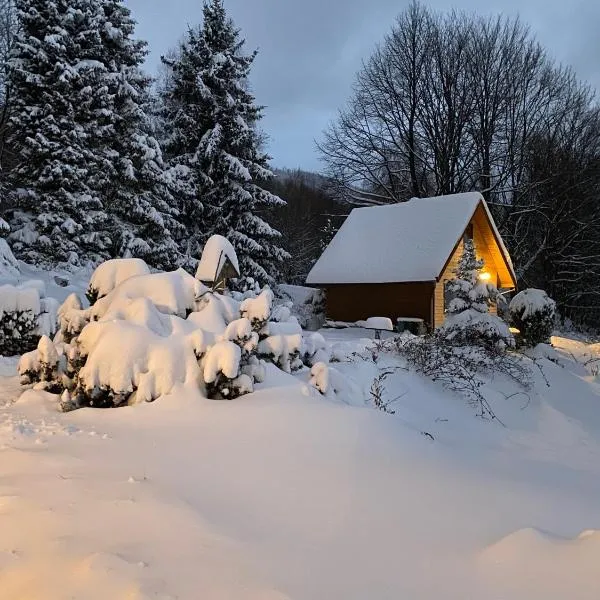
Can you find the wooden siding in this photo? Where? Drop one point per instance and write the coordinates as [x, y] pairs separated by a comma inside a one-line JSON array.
[[438, 303], [492, 254], [353, 302], [482, 238]]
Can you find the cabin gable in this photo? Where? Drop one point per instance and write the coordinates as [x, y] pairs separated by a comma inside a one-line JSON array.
[[487, 248]]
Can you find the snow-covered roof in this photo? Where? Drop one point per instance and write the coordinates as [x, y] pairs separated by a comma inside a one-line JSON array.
[[406, 242], [214, 256]]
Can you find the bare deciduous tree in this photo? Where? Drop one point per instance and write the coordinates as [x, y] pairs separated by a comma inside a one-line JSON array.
[[455, 102]]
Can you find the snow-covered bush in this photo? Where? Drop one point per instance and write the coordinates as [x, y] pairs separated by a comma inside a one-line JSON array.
[[329, 382], [112, 273], [25, 315], [312, 311], [9, 267], [468, 321], [72, 318], [280, 334], [474, 328], [315, 349], [461, 368], [153, 332], [533, 313]]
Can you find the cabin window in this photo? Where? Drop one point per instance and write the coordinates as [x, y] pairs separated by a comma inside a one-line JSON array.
[[469, 232]]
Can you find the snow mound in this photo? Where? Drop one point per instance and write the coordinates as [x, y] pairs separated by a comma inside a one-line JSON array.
[[112, 273], [127, 357], [530, 563], [485, 324], [529, 302], [172, 293], [258, 309], [224, 357], [217, 251]]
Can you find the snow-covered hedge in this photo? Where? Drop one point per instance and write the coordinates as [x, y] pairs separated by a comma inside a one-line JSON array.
[[25, 315], [112, 273], [147, 334], [533, 313]]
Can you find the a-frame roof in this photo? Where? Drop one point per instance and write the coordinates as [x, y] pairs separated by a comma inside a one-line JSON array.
[[406, 242]]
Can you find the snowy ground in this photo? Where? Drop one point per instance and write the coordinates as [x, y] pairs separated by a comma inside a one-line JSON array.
[[281, 494]]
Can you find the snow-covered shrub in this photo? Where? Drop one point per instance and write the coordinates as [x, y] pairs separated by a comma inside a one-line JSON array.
[[282, 350], [311, 312], [72, 318], [172, 293], [315, 349], [460, 367], [221, 371], [111, 273], [231, 366], [329, 382], [533, 313], [468, 321], [9, 268], [43, 366], [474, 328], [280, 334], [123, 359], [258, 309], [25, 315]]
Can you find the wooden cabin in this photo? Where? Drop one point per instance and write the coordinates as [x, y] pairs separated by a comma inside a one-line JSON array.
[[394, 260]]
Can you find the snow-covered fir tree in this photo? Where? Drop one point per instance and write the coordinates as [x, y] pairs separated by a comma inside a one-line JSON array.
[[215, 145], [91, 183], [469, 322], [139, 201], [61, 119], [468, 290]]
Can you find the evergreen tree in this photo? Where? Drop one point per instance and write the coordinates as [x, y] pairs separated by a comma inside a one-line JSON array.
[[139, 200], [468, 290], [214, 143], [60, 119]]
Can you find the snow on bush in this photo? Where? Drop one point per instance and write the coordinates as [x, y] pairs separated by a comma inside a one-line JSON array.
[[258, 309], [173, 293], [112, 273], [461, 367], [123, 358], [315, 349], [25, 315], [153, 332], [307, 304], [329, 382], [147, 333], [475, 328], [9, 268], [533, 313], [282, 350], [72, 318]]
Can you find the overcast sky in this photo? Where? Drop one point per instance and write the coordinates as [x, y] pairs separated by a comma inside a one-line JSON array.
[[310, 51]]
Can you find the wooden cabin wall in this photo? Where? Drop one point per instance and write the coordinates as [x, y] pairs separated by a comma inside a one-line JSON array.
[[481, 240], [354, 302]]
